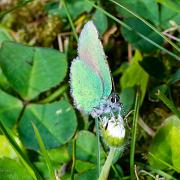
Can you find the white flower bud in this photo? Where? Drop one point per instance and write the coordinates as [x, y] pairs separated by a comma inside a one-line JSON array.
[[113, 131]]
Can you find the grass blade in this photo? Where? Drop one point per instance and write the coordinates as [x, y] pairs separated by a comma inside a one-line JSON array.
[[160, 172], [31, 169], [70, 20], [44, 152], [148, 24], [133, 30], [73, 158], [163, 162], [168, 103], [98, 147], [134, 130]]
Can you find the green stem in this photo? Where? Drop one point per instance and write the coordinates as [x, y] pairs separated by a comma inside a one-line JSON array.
[[161, 161], [157, 171], [54, 95], [106, 168], [98, 147], [116, 171], [168, 103], [44, 152], [70, 19], [134, 130], [73, 158]]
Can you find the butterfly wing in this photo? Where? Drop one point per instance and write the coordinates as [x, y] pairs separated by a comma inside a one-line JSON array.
[[91, 51], [86, 86]]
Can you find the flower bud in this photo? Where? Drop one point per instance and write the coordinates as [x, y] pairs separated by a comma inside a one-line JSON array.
[[113, 131]]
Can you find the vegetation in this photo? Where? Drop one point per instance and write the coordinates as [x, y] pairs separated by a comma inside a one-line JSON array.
[[42, 135]]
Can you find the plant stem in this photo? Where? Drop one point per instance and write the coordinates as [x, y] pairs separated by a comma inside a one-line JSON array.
[[134, 130], [98, 147], [73, 158], [44, 152], [54, 95], [107, 165], [70, 20]]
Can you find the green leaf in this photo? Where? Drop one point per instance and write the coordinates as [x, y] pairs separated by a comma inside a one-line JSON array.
[[75, 8], [134, 75], [10, 108], [166, 145], [45, 153], [121, 69], [66, 176], [42, 168], [59, 155], [86, 147], [12, 169], [153, 66], [172, 4], [4, 35], [56, 122], [174, 77], [127, 98], [32, 70], [168, 15], [153, 92], [6, 149], [147, 9], [82, 166], [138, 33], [4, 84], [87, 175], [169, 103], [137, 41], [100, 20]]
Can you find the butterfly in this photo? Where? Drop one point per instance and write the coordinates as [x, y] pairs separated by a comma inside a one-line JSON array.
[[91, 82]]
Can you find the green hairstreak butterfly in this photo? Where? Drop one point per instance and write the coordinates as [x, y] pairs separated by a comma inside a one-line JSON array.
[[90, 77]]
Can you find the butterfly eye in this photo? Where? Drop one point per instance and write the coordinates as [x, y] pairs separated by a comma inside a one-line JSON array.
[[114, 98]]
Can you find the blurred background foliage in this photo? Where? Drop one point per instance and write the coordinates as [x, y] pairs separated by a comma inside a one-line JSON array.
[[38, 40]]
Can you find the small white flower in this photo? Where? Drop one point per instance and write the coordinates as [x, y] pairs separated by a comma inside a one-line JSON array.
[[113, 131]]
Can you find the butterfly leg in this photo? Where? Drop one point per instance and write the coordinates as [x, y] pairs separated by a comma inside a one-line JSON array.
[[96, 112], [126, 118]]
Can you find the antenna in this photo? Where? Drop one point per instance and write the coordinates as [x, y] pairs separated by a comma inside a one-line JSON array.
[[113, 85]]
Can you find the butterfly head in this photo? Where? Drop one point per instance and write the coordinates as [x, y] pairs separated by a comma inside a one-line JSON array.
[[110, 106], [114, 100]]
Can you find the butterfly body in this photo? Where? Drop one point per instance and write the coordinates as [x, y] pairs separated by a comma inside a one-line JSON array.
[[109, 106]]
